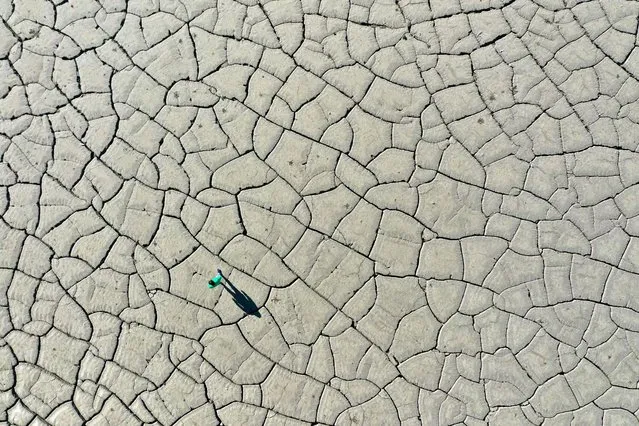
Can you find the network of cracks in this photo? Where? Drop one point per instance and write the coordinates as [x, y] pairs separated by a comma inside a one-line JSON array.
[[424, 211]]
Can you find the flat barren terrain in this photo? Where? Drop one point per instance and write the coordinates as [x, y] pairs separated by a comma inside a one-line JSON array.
[[423, 212]]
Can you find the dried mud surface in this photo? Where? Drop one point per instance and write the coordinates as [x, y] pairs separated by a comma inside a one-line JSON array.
[[427, 212]]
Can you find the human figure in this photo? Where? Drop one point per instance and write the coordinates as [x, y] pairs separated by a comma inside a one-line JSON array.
[[216, 280]]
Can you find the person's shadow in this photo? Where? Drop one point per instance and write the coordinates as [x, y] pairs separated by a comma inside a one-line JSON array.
[[241, 299]]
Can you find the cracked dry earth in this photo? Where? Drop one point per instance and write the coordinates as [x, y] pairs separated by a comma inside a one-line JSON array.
[[433, 204]]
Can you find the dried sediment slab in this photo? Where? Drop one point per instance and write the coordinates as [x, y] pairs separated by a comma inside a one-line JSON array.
[[433, 207]]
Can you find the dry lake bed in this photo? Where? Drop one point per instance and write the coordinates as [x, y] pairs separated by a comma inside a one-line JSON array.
[[423, 212]]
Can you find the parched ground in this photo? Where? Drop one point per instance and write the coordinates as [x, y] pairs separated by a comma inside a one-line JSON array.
[[426, 212]]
